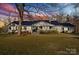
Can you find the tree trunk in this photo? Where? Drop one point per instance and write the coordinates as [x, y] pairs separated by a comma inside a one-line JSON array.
[[20, 22], [20, 8], [19, 27]]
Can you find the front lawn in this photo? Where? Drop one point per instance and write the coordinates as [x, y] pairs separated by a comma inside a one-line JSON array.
[[39, 44]]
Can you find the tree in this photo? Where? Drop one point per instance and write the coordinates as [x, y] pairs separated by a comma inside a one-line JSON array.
[[76, 8], [20, 8], [37, 10]]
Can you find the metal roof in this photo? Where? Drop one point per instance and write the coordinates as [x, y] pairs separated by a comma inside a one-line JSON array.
[[50, 23]]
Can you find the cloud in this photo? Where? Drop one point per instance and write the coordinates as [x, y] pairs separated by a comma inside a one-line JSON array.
[[8, 7]]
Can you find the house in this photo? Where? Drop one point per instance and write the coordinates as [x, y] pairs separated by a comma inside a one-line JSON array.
[[57, 26], [37, 26], [75, 20], [76, 23], [26, 26], [42, 26], [67, 27]]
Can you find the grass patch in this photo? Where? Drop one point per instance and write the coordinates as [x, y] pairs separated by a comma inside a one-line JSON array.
[[37, 44]]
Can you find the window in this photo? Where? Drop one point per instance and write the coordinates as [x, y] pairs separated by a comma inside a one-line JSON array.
[[50, 27], [40, 27], [10, 28], [25, 27]]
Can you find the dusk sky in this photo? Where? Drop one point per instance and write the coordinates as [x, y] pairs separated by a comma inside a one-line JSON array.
[[43, 8]]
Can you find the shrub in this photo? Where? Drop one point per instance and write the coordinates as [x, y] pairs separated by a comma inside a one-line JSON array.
[[1, 30], [49, 32], [43, 32], [54, 32]]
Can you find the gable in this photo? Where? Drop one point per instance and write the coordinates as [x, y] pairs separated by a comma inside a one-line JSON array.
[[42, 24]]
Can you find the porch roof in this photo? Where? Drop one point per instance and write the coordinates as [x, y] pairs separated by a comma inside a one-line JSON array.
[[42, 24], [67, 24]]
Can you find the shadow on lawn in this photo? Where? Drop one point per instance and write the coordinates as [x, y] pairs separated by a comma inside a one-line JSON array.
[[75, 37]]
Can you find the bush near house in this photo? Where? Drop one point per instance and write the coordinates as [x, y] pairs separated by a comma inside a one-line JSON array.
[[53, 32], [49, 32], [43, 32], [3, 30], [0, 30], [65, 31]]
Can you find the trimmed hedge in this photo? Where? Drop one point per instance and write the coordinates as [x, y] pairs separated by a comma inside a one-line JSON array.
[[49, 32]]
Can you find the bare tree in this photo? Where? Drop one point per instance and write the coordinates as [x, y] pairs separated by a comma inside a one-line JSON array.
[[20, 8]]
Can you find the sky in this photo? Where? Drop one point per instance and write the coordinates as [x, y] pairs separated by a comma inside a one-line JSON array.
[[38, 9]]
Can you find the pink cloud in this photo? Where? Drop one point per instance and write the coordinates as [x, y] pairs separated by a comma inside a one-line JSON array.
[[7, 7], [10, 8]]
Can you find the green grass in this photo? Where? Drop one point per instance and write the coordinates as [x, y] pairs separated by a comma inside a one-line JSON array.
[[38, 44]]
